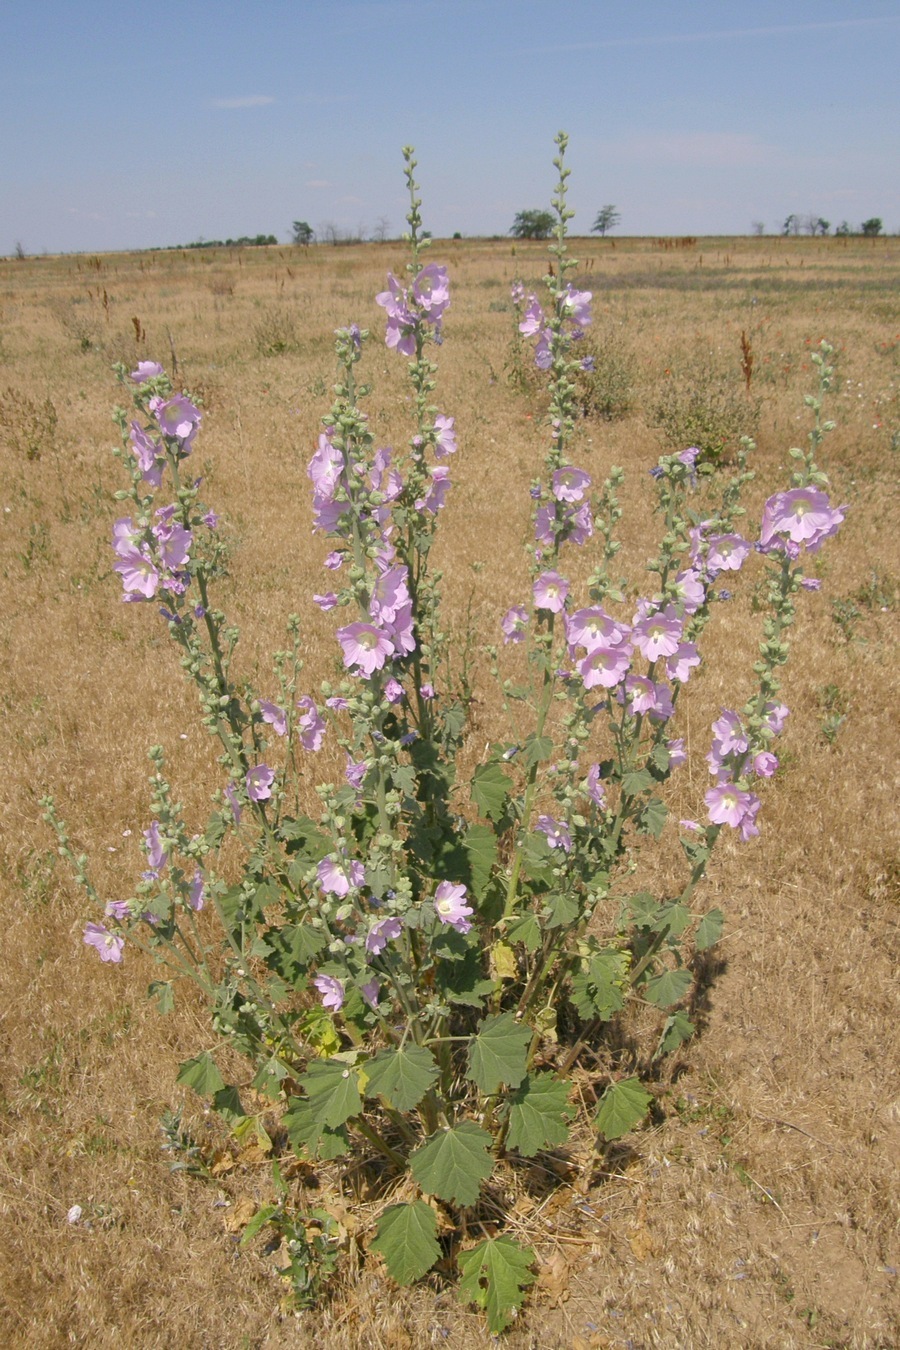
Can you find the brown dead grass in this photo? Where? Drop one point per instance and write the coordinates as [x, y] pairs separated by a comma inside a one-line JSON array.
[[760, 1207]]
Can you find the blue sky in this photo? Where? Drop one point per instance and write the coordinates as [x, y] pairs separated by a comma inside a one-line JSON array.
[[129, 126]]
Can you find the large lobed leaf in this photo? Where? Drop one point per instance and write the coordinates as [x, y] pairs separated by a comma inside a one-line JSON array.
[[453, 1163], [402, 1077], [538, 1114], [495, 1275], [621, 1107], [406, 1239], [498, 1054]]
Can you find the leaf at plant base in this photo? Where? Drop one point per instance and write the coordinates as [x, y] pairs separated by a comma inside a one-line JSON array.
[[639, 909], [164, 994], [678, 1029], [597, 991], [201, 1074], [310, 1138], [227, 1101], [405, 1237], [538, 1114], [402, 1077], [562, 910], [668, 988], [710, 930], [498, 1053], [621, 1107], [463, 982], [525, 929], [259, 1220], [453, 1163], [490, 790], [495, 1275], [332, 1089], [481, 846], [673, 918]]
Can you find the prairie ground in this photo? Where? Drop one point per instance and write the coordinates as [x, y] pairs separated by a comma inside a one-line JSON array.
[[760, 1205]]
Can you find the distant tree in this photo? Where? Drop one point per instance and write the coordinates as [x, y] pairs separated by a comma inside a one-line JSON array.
[[302, 232], [758, 227], [533, 225], [607, 219], [791, 225], [822, 226], [843, 229], [871, 227], [381, 231], [20, 251]]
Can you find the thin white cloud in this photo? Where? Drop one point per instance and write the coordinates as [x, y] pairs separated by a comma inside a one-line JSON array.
[[318, 183], [248, 101], [696, 149], [772, 30]]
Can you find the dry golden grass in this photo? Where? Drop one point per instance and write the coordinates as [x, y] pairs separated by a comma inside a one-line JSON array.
[[760, 1208]]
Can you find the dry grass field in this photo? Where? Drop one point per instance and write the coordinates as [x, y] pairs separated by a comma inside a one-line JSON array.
[[759, 1207]]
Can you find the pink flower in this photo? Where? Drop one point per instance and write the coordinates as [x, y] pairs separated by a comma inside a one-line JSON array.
[[765, 764], [146, 370], [332, 991], [803, 515], [606, 666], [259, 782], [445, 436], [658, 635], [370, 991], [514, 623], [577, 305], [534, 318], [593, 627], [196, 892], [179, 418], [550, 591], [451, 908], [556, 832], [594, 786], [311, 724], [677, 753], [139, 576], [381, 933], [689, 589], [730, 805], [365, 646], [109, 945], [275, 716], [727, 552], [570, 484], [680, 664], [337, 878], [393, 691], [431, 291], [729, 736], [775, 715]]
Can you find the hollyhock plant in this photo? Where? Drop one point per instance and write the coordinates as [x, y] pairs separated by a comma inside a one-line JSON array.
[[408, 944]]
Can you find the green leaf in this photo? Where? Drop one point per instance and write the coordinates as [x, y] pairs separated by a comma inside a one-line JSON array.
[[464, 982], [481, 846], [453, 1163], [164, 994], [402, 1077], [498, 1053], [495, 1275], [710, 930], [678, 1028], [201, 1074], [537, 748], [308, 1137], [659, 758], [227, 1101], [538, 1112], [668, 988], [405, 1237], [332, 1089], [652, 819], [672, 918], [597, 991], [259, 1220], [490, 790], [562, 910], [639, 909], [525, 929], [293, 947], [304, 839], [621, 1107], [633, 784], [538, 859]]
